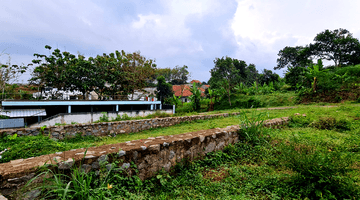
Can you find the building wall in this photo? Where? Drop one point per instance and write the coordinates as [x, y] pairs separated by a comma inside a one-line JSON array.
[[68, 118]]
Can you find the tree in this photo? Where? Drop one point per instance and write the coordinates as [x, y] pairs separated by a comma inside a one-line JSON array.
[[164, 90], [225, 75], [180, 75], [268, 76], [116, 73], [294, 57], [53, 70], [176, 76], [337, 45], [252, 74], [10, 73]]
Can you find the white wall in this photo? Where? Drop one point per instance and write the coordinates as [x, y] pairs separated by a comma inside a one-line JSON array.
[[68, 118]]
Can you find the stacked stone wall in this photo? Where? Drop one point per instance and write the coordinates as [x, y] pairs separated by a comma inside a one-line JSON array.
[[106, 128], [149, 155]]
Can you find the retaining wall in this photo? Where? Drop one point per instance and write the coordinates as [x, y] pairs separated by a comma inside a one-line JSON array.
[[149, 155], [106, 128]]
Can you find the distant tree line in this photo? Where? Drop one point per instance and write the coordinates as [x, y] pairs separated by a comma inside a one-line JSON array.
[[228, 73], [338, 46]]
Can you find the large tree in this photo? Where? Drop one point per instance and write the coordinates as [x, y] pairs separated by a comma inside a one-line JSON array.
[[290, 57], [53, 70], [113, 74], [225, 75], [268, 76], [338, 45], [176, 76], [164, 90]]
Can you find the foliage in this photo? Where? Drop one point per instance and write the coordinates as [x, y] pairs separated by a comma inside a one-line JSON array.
[[116, 73], [294, 57], [164, 90], [103, 118], [195, 97], [176, 76], [321, 173], [9, 73], [225, 74], [123, 117], [268, 77], [176, 101], [337, 45]]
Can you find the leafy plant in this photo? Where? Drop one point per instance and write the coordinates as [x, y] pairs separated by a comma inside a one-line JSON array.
[[195, 97], [104, 117]]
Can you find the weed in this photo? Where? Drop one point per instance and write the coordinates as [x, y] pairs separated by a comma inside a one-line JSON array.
[[321, 173], [331, 123]]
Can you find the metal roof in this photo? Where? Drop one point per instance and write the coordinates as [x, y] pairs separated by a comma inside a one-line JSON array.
[[23, 112]]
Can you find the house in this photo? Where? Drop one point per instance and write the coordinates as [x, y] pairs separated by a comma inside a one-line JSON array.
[[185, 92]]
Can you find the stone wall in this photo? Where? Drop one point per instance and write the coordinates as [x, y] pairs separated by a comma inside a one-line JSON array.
[[107, 128], [68, 118], [149, 155]]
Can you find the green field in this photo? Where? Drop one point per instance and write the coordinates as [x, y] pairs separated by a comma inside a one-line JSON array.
[[314, 157]]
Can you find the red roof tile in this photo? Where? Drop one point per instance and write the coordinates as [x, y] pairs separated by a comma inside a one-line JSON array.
[[195, 81], [185, 91]]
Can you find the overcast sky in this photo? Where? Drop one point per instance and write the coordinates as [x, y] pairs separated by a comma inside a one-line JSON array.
[[180, 32]]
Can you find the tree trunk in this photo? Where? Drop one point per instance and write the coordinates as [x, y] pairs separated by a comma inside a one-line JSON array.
[[229, 97]]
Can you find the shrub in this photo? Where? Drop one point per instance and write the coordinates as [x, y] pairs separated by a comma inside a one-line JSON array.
[[320, 173], [104, 117], [330, 123]]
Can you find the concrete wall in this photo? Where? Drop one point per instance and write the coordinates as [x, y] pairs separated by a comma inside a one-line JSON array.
[[149, 155], [68, 118], [106, 128]]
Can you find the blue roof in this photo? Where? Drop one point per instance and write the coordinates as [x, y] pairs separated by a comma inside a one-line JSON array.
[[70, 103]]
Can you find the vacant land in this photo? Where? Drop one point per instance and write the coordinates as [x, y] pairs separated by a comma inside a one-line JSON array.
[[315, 156]]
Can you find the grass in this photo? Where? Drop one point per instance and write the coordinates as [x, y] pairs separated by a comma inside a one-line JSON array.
[[25, 147], [298, 161]]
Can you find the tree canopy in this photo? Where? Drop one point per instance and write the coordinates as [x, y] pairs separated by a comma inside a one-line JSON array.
[[113, 74], [337, 45], [164, 90]]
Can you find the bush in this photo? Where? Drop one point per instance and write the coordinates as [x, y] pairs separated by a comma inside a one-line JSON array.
[[320, 173], [330, 123]]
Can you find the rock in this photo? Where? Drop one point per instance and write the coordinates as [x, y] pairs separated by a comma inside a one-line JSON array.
[[210, 147], [2, 197], [95, 165], [165, 144], [31, 195], [86, 168], [125, 165], [109, 167], [143, 147], [155, 147], [66, 164], [103, 158], [172, 154], [121, 153]]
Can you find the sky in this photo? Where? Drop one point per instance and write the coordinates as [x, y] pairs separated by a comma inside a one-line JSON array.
[[172, 32]]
